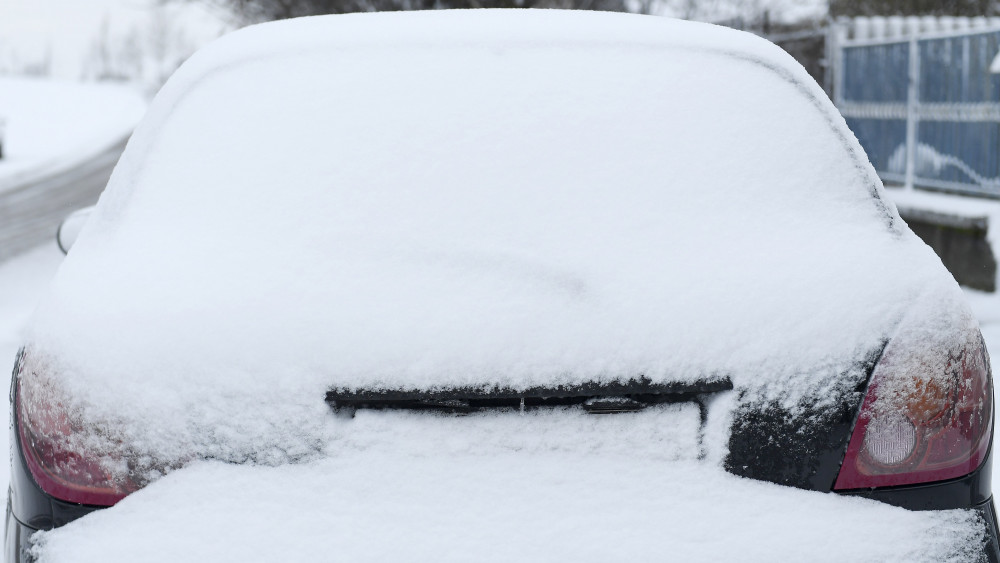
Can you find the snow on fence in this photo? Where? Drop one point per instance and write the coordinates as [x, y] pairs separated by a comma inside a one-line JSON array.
[[920, 96]]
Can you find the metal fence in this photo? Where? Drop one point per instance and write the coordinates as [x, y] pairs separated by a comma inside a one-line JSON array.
[[924, 103]]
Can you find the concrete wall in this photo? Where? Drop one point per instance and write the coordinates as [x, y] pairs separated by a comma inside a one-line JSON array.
[[960, 242]]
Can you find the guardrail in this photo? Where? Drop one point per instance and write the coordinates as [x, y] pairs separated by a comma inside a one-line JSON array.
[[923, 102]]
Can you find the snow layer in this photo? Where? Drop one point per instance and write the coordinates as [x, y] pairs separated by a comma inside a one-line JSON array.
[[483, 198], [533, 506], [52, 124], [556, 506]]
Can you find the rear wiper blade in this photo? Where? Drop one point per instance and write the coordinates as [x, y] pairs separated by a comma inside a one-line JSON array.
[[598, 398]]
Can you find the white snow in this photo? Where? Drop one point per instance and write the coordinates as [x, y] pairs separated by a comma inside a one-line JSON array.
[[512, 198], [943, 203], [481, 198], [369, 506], [53, 124], [431, 501]]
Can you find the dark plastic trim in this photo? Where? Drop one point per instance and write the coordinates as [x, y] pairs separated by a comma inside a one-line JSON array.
[[17, 538], [988, 512]]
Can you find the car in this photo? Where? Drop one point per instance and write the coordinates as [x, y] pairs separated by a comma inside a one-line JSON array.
[[496, 284]]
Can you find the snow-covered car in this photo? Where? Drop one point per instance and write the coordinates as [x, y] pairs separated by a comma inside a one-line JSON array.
[[499, 285]]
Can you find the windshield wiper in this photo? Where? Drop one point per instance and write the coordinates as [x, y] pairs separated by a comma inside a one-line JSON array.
[[597, 398]]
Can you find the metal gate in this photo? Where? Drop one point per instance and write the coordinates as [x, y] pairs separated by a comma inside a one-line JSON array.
[[925, 106]]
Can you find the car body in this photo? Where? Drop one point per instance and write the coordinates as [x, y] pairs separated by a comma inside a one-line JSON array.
[[400, 262]]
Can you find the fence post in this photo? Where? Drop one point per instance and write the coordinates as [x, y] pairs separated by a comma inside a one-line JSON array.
[[912, 120], [835, 39]]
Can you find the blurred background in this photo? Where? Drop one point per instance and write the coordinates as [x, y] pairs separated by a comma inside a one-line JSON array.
[[918, 81], [143, 41]]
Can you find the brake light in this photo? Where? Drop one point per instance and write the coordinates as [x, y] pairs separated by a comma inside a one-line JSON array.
[[927, 416], [57, 454]]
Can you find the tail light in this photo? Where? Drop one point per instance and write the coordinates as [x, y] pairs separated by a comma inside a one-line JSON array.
[[61, 453], [927, 415]]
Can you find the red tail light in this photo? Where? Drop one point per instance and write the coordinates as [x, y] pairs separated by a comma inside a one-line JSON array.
[[56, 453], [927, 416]]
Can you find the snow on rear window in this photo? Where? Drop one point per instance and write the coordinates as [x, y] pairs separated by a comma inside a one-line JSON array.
[[472, 199]]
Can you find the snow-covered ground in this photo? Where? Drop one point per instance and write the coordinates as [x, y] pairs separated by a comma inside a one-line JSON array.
[[55, 124]]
